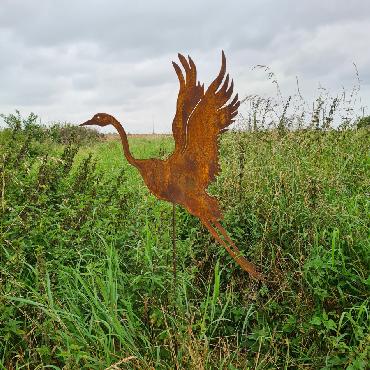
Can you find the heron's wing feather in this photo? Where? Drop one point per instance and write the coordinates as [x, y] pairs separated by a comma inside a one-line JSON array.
[[210, 117], [190, 94]]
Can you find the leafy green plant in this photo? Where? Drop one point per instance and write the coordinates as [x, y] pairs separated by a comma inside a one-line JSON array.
[[85, 256]]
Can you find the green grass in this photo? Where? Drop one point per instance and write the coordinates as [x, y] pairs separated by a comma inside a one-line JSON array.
[[86, 258]]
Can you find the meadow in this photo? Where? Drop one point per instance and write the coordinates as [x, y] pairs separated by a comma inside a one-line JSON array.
[[86, 276]]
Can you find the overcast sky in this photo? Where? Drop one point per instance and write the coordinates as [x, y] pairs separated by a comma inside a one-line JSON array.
[[66, 60]]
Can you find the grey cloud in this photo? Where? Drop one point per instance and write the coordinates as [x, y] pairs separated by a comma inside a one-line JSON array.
[[68, 59], [83, 82]]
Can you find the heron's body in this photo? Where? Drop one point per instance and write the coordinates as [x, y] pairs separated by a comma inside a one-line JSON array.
[[184, 177], [172, 181]]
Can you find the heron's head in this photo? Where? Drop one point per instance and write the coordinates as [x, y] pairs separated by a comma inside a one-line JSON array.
[[99, 119]]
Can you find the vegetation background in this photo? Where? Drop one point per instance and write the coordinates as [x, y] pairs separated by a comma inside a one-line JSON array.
[[86, 252]]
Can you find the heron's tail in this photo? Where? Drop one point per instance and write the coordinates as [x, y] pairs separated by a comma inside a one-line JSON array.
[[232, 249]]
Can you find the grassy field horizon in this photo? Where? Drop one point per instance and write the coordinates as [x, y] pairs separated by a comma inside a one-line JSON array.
[[86, 255]]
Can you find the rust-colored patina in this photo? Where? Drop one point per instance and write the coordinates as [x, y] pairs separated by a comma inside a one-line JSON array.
[[184, 177]]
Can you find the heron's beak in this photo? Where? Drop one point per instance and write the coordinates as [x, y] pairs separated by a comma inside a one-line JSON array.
[[87, 123]]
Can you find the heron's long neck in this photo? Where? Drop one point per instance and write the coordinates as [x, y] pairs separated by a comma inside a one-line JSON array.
[[126, 148]]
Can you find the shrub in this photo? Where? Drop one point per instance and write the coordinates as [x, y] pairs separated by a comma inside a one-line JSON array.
[[59, 133], [363, 122]]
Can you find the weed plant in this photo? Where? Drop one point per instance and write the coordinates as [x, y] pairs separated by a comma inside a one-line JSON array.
[[86, 254]]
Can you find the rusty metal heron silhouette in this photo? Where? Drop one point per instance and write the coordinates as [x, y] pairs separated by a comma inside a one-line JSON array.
[[184, 176]]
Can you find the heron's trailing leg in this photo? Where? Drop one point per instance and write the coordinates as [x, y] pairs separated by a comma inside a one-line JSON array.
[[232, 249]]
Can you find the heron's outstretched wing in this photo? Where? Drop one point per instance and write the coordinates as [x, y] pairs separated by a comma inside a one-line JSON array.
[[209, 118], [190, 94]]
